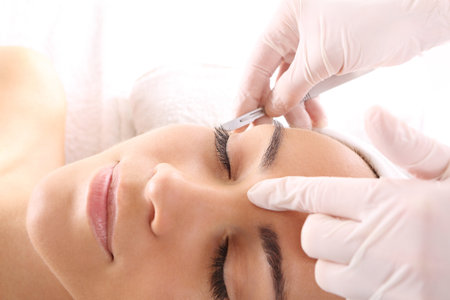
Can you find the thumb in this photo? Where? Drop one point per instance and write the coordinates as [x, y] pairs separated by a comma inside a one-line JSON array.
[[255, 84], [418, 154]]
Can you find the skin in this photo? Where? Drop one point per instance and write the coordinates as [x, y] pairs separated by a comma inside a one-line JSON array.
[[175, 204], [32, 117]]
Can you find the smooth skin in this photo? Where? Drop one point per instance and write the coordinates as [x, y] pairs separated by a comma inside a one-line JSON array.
[[32, 118], [175, 205]]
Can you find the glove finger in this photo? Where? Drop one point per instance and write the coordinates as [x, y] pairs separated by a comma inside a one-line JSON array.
[[341, 197], [337, 279], [276, 48], [406, 147], [298, 117], [289, 90], [263, 120], [307, 115], [282, 34], [316, 113], [332, 239], [256, 83], [283, 68]]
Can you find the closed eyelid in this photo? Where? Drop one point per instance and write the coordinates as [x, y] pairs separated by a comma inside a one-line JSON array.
[[218, 287], [241, 263]]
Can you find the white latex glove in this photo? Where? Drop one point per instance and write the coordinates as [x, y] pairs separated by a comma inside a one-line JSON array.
[[376, 238], [321, 38]]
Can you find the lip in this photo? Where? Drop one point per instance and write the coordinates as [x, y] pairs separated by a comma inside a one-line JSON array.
[[101, 206]]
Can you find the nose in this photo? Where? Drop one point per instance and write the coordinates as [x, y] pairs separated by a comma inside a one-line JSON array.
[[182, 203]]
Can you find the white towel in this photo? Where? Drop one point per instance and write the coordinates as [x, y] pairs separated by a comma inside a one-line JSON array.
[[199, 94]]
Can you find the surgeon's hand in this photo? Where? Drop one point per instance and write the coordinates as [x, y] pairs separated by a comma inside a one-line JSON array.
[[314, 39], [376, 238]]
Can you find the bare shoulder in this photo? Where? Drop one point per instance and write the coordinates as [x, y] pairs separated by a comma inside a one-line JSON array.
[[32, 114]]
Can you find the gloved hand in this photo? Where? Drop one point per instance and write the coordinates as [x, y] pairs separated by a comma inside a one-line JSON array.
[[321, 38], [376, 238]]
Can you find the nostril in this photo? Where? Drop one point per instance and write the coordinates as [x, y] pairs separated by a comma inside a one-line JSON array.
[[149, 188], [151, 216]]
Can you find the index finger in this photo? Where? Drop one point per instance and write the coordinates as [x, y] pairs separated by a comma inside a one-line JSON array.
[[348, 198], [255, 85]]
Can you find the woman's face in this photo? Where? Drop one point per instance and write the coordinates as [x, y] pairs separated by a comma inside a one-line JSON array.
[[160, 216]]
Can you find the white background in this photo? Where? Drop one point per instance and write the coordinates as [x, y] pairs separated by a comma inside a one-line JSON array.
[[100, 48]]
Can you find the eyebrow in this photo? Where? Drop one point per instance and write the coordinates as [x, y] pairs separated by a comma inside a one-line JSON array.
[[274, 146], [271, 247]]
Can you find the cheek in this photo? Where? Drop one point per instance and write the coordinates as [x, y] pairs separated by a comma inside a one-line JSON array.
[[173, 273], [57, 224], [60, 197], [49, 209]]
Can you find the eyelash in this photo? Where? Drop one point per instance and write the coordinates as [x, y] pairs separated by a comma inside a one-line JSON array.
[[221, 140], [219, 289]]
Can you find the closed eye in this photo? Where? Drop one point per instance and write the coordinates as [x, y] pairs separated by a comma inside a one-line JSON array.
[[218, 287], [221, 140]]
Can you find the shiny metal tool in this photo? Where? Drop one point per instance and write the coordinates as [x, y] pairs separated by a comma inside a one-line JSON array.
[[318, 89], [244, 119]]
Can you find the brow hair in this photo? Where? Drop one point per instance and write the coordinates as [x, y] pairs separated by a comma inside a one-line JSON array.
[[272, 249], [274, 145]]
